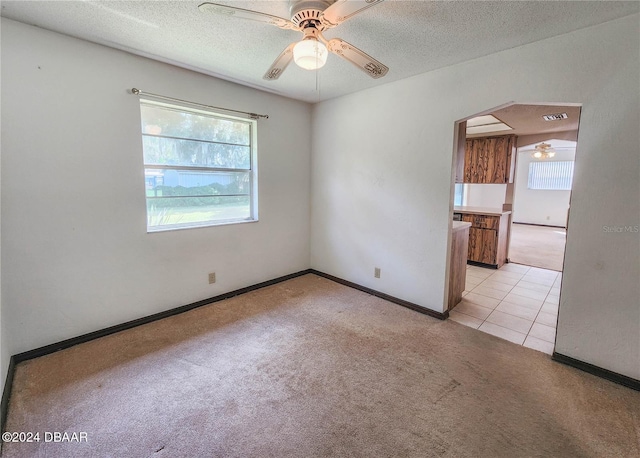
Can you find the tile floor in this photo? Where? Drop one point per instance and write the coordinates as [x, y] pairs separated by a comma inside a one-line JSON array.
[[516, 302]]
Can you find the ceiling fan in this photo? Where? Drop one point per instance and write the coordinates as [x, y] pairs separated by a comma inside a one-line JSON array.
[[546, 151], [311, 17]]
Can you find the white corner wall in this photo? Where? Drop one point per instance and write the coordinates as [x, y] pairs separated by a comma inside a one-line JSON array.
[[75, 253], [538, 206], [4, 346], [5, 355], [382, 174]]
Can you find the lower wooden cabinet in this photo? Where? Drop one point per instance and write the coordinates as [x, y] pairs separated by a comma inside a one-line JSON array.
[[482, 245], [458, 264], [487, 238]]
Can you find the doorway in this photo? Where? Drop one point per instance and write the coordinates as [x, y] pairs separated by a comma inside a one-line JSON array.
[[520, 300], [541, 197]]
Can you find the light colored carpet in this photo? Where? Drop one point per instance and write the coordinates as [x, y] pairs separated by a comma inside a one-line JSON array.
[[537, 246], [311, 368]]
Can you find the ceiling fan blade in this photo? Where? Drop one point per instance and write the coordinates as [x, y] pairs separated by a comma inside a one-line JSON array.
[[357, 57], [232, 11], [343, 10], [280, 64]]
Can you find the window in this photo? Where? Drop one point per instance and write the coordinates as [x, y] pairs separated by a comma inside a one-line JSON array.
[[554, 175], [458, 197], [199, 167]]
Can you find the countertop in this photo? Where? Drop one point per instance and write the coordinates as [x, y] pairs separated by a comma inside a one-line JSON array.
[[459, 225], [481, 211]]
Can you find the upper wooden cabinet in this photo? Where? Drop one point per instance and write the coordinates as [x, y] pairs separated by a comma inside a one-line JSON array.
[[488, 160]]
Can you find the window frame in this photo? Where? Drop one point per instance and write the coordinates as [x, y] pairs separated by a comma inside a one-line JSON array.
[[252, 170]]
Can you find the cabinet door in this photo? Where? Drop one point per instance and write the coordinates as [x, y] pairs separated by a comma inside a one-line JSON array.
[[470, 161], [498, 170], [488, 160], [483, 245], [489, 246], [475, 244]]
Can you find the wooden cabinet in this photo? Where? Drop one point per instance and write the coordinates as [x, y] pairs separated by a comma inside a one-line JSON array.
[[489, 159], [461, 146], [482, 245], [487, 238], [458, 263]]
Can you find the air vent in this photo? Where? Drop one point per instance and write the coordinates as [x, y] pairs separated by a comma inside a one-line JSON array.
[[555, 117]]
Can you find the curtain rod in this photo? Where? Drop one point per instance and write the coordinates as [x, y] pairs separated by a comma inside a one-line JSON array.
[[173, 99]]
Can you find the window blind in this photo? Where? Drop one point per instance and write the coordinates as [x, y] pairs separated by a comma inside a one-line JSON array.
[[551, 175]]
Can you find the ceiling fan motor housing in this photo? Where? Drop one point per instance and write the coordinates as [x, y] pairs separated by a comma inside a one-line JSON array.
[[306, 13]]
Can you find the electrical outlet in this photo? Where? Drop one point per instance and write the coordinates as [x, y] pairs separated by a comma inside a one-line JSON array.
[[212, 277], [376, 272]]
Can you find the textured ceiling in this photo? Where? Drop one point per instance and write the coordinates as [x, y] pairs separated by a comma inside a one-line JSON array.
[[527, 119], [410, 37]]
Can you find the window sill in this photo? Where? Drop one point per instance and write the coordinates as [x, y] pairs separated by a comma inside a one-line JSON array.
[[199, 226]]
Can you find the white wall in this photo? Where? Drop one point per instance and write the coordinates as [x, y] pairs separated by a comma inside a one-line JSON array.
[[382, 174], [75, 253], [485, 195], [4, 346], [539, 206]]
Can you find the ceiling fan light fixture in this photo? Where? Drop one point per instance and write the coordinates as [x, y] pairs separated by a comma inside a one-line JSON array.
[[543, 151], [310, 54]]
